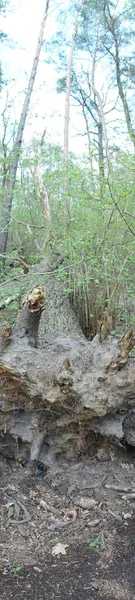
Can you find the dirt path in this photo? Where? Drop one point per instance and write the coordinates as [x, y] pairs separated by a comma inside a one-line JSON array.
[[79, 575], [74, 505]]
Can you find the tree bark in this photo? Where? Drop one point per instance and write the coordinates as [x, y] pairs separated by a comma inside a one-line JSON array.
[[110, 22], [101, 111], [57, 388], [89, 146], [67, 109], [90, 107], [18, 143], [43, 195]]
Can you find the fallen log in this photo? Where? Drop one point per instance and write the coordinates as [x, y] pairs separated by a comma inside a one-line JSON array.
[[56, 388]]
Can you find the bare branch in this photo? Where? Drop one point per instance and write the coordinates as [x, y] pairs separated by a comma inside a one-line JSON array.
[[26, 224]]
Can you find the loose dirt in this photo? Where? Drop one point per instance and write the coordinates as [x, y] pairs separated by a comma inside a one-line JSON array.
[[37, 513]]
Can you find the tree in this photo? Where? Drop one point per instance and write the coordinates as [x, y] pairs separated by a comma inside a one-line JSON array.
[[3, 36], [85, 95], [124, 67], [18, 143], [67, 102]]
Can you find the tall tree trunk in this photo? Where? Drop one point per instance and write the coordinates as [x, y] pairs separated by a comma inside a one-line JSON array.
[[67, 108], [43, 196], [18, 143], [110, 21], [101, 150], [89, 146], [100, 105]]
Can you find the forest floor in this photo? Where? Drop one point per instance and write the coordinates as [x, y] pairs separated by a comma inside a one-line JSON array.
[[71, 533]]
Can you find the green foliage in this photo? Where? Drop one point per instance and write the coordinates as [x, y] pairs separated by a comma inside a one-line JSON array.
[[98, 238], [16, 570], [95, 543], [98, 242]]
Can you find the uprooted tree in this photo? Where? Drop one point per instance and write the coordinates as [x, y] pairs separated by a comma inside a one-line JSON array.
[[58, 389]]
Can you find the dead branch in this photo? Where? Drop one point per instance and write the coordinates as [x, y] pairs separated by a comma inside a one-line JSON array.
[[8, 301], [14, 263], [28, 224]]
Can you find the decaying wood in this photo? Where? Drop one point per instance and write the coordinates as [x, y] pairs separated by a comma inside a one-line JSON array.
[[28, 319], [6, 335], [36, 298], [57, 392], [16, 262], [126, 345], [105, 325], [6, 331]]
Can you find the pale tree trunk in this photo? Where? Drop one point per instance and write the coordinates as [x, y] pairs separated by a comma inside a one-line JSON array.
[[101, 111], [110, 21], [101, 149], [43, 196], [18, 143], [89, 147], [67, 108]]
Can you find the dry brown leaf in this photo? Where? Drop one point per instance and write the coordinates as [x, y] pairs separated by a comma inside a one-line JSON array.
[[33, 494], [59, 549]]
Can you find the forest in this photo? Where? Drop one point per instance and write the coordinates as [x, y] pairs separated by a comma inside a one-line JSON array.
[[67, 302], [76, 209]]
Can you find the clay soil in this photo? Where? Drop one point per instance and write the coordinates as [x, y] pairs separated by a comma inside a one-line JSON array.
[[39, 512]]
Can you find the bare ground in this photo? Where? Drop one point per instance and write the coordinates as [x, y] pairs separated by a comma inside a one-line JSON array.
[[37, 513]]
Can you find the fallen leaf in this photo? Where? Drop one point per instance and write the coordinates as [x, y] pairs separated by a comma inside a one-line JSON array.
[[33, 494], [85, 502], [93, 523], [59, 549]]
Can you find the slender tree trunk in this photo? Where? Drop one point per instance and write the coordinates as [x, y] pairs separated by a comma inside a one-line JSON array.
[[89, 147], [67, 107], [43, 196], [101, 150], [101, 111], [110, 21], [18, 143]]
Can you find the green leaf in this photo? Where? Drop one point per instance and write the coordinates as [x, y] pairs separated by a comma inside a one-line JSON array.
[[16, 569], [95, 543]]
